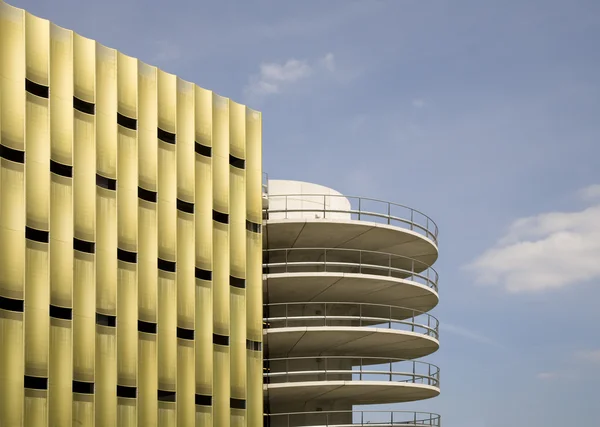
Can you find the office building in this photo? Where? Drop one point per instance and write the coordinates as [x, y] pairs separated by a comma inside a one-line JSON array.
[[130, 240]]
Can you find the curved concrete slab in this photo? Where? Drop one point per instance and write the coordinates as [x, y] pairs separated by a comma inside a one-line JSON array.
[[350, 392], [361, 341], [348, 234], [348, 287]]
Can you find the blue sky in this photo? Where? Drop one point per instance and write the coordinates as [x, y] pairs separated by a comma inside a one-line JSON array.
[[484, 115]]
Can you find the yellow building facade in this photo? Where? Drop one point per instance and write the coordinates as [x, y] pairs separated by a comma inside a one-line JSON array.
[[130, 240]]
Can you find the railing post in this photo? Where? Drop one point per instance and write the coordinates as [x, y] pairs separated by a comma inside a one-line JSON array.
[[359, 208], [391, 369], [390, 317], [325, 260], [390, 265], [286, 260], [324, 205], [412, 328], [389, 213], [412, 220]]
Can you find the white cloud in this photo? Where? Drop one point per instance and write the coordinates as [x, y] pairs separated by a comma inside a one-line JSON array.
[[590, 194], [419, 103], [556, 375], [591, 356], [547, 251], [469, 334], [275, 77]]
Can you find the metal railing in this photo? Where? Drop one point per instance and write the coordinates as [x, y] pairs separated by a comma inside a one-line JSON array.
[[348, 368], [310, 260], [341, 314], [353, 419], [360, 208]]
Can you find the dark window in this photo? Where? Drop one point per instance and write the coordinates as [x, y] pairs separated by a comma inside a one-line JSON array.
[[167, 396], [203, 274], [125, 391], [236, 162], [57, 312], [165, 136], [237, 282], [223, 218], [220, 339], [126, 122], [11, 154], [11, 304], [82, 387], [106, 320], [147, 195], [37, 89], [36, 383], [203, 150], [164, 265], [185, 334], [84, 106], [253, 345], [41, 236], [203, 400], [146, 327], [104, 182], [84, 246], [186, 207], [237, 403], [253, 227], [126, 256], [61, 169]]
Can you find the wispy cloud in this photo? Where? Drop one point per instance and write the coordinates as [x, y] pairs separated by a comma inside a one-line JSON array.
[[590, 194], [469, 334], [590, 356], [547, 251], [275, 77], [556, 375]]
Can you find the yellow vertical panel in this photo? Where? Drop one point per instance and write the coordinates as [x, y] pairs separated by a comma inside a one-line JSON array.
[[185, 384], [147, 384], [203, 338], [147, 261], [106, 111], [11, 368], [203, 250], [37, 123], [60, 397], [127, 198], [185, 140], [254, 166], [221, 388], [61, 94], [12, 76], [147, 124], [126, 412], [127, 324], [106, 377], [84, 176], [127, 76], [204, 416], [167, 207], [83, 410], [238, 343], [220, 140], [167, 328], [167, 414], [84, 68], [12, 224], [36, 408], [37, 46], [254, 309], [84, 316], [61, 240], [37, 300], [238, 418], [185, 270], [254, 402], [106, 251], [221, 279], [167, 101]]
